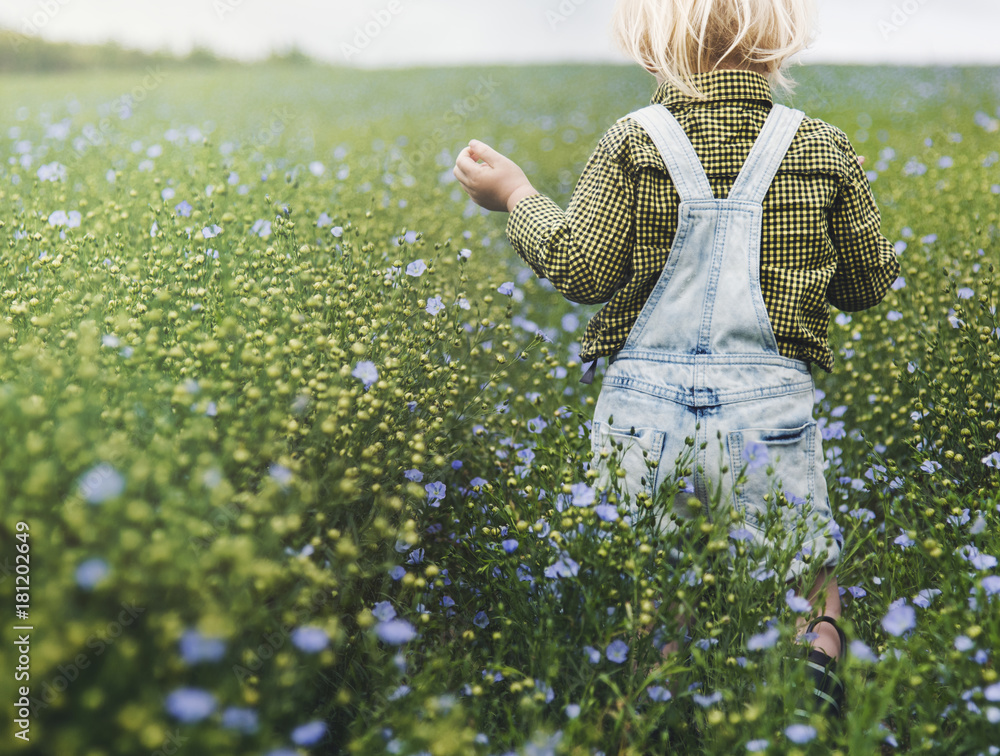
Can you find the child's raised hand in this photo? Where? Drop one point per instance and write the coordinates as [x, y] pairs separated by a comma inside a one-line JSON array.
[[497, 183]]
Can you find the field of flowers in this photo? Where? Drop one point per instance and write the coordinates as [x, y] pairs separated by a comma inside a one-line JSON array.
[[295, 457]]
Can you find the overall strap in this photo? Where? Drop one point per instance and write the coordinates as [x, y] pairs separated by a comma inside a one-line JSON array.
[[765, 157], [678, 154]]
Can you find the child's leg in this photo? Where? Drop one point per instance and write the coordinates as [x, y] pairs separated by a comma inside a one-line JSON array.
[[825, 598]]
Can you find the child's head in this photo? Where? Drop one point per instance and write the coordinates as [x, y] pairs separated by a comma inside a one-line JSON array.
[[676, 39]]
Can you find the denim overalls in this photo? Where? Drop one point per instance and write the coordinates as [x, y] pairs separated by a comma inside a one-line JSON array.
[[701, 362]]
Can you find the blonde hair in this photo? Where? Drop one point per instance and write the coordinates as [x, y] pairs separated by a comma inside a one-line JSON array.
[[678, 39]]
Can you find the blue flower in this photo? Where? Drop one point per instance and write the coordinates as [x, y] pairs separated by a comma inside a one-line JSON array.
[[101, 483], [435, 493], [309, 733], [797, 603], [977, 559], [563, 567], [766, 639], [509, 545], [434, 306], [280, 474], [395, 632], [930, 466], [800, 733], [959, 520], [755, 455], [607, 512], [414, 475], [480, 620], [416, 268], [261, 228], [190, 705], [756, 746], [706, 701], [900, 619], [366, 372], [545, 689], [91, 572], [991, 584], [52, 172], [239, 719], [583, 495], [966, 293], [862, 652], [925, 597], [507, 289], [572, 710], [658, 693], [210, 232], [398, 693], [593, 655], [617, 651], [196, 647], [183, 209], [383, 611], [904, 540], [537, 425], [310, 639]]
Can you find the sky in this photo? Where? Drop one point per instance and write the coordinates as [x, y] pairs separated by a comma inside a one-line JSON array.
[[392, 33]]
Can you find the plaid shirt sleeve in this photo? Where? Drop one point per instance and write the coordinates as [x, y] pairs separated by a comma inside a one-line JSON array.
[[866, 261], [585, 252]]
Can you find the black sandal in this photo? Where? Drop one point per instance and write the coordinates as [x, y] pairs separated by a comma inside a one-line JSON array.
[[829, 693]]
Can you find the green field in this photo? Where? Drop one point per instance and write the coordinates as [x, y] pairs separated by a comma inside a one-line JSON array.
[[297, 454]]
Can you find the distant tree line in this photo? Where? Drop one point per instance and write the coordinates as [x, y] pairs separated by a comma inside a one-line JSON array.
[[23, 53]]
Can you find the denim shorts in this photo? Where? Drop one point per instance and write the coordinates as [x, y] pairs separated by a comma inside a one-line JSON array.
[[737, 454]]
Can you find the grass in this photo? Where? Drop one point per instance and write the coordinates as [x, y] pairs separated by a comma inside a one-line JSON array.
[[303, 460]]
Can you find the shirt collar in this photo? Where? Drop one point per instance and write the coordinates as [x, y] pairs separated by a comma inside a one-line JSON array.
[[719, 86]]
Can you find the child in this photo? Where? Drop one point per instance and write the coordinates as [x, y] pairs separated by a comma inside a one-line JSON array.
[[716, 308]]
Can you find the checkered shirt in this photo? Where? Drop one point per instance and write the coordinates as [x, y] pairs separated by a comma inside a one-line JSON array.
[[821, 243]]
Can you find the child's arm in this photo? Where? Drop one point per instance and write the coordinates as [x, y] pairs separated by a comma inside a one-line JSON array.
[[586, 251], [866, 260]]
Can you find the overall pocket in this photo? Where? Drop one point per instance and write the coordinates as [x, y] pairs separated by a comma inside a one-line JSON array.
[[772, 461], [630, 456]]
